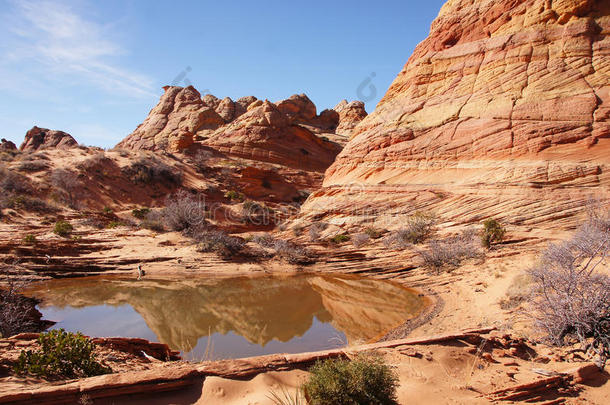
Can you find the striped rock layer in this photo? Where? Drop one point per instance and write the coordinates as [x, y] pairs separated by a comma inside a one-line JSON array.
[[504, 111]]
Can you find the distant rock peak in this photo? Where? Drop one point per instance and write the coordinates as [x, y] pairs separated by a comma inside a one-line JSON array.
[[43, 138]]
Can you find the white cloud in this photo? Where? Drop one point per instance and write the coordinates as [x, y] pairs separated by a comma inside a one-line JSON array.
[[57, 42]]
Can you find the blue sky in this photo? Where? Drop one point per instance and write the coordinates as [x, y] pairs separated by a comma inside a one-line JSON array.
[[95, 69]]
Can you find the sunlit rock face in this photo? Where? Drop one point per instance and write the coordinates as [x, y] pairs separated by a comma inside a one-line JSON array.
[[173, 123], [258, 309], [42, 138], [502, 111]]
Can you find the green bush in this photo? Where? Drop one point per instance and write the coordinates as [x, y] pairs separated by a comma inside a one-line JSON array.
[[114, 224], [140, 213], [234, 195], [63, 228], [62, 355], [493, 231], [340, 238], [365, 380], [29, 239], [107, 210]]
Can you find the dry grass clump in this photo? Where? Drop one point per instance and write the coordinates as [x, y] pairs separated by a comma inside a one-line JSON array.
[[360, 239], [517, 293], [183, 211], [315, 230], [450, 252], [26, 202], [153, 220], [148, 170], [418, 228], [571, 288], [218, 242], [289, 251], [201, 160], [256, 213], [12, 182], [96, 163], [32, 166], [68, 184]]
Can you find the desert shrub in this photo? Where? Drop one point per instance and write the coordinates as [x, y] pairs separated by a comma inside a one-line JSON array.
[[63, 228], [68, 183], [29, 239], [418, 228], [94, 222], [360, 239], [493, 232], [114, 224], [265, 240], [153, 220], [255, 213], [297, 230], [140, 213], [234, 195], [292, 253], [28, 203], [340, 238], [450, 252], [149, 169], [16, 310], [61, 355], [107, 210], [364, 380], [218, 242], [374, 233], [11, 182], [201, 160], [32, 166], [315, 230], [571, 289], [8, 155], [183, 211], [95, 163]]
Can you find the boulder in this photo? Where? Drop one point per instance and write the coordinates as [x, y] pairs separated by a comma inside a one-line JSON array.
[[42, 138]]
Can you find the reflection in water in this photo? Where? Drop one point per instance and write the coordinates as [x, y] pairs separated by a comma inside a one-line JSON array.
[[242, 316]]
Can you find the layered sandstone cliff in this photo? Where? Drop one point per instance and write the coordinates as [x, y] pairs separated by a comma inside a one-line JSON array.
[[504, 110]]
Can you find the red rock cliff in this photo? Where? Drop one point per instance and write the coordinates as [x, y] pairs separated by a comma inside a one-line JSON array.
[[504, 110]]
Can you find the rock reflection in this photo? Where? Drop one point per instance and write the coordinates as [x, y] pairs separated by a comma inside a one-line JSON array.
[[258, 309]]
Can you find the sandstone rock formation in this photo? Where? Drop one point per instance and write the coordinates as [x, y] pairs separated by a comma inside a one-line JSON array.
[[350, 115], [7, 145], [173, 123], [266, 134], [42, 138], [289, 132], [504, 110]]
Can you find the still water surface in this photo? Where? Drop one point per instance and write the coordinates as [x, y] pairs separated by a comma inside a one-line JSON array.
[[220, 318]]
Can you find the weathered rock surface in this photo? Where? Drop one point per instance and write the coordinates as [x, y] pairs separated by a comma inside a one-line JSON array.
[[42, 138], [289, 132], [504, 110], [173, 123], [7, 145], [267, 134], [350, 115]]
